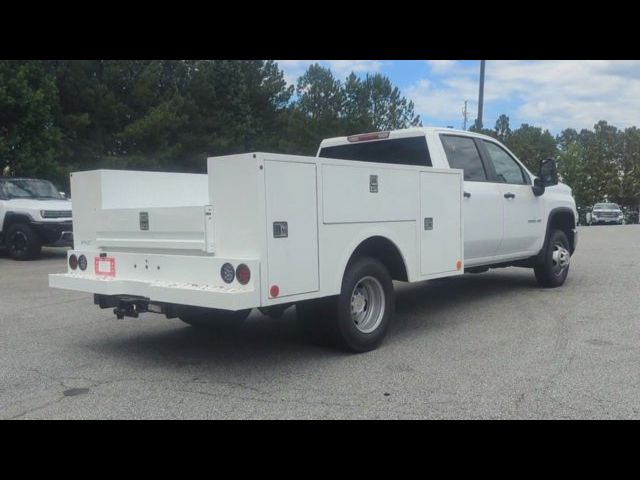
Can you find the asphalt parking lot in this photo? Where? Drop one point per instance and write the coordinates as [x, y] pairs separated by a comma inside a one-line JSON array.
[[491, 345]]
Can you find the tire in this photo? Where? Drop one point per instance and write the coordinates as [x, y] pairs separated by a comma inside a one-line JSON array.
[[358, 319], [22, 242], [553, 268], [211, 318]]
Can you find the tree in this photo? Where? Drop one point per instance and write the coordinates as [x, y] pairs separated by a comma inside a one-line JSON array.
[[479, 129], [629, 168], [532, 144], [166, 114], [320, 94], [327, 107], [30, 142], [375, 104], [502, 130]]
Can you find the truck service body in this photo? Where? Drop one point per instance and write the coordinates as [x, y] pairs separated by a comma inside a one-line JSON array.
[[326, 233]]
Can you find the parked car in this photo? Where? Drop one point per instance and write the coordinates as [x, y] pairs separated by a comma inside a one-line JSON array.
[[606, 213], [327, 234], [33, 213]]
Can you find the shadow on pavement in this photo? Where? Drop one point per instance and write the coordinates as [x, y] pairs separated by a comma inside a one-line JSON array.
[[263, 341]]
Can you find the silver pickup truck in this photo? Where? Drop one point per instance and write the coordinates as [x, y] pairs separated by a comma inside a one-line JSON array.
[[605, 213]]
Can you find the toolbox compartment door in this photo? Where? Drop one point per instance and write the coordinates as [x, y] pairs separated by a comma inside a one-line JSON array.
[[440, 227], [292, 227]]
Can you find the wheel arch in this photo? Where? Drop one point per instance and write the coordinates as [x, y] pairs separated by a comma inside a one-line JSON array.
[[383, 249], [11, 218], [561, 218]]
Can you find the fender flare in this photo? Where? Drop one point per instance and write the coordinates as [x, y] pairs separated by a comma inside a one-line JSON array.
[[552, 214], [358, 240], [11, 217]]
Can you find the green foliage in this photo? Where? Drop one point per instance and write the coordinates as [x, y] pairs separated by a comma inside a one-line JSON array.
[[326, 107], [601, 164], [29, 139], [532, 144]]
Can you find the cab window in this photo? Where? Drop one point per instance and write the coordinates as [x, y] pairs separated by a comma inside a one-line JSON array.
[[462, 153], [507, 169], [403, 151]]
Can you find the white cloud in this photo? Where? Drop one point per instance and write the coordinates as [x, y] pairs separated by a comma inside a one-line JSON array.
[[442, 66], [341, 68], [292, 69], [553, 94]]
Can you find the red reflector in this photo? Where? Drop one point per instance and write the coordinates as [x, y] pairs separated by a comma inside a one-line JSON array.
[[274, 291], [243, 274], [105, 266], [368, 136], [73, 262]]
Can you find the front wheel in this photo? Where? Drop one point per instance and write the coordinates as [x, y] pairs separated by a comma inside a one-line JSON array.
[[358, 319], [22, 242], [553, 268]]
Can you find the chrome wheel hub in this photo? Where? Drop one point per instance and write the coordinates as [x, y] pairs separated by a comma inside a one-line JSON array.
[[367, 304], [560, 258]]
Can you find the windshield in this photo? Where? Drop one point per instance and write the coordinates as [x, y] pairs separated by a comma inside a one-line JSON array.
[[28, 188], [606, 206]]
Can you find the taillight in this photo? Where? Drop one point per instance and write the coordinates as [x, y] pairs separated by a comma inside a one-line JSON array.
[[227, 273], [73, 261], [82, 262], [243, 274]]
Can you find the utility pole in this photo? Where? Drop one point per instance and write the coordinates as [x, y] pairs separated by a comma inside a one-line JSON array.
[[481, 94], [465, 114]]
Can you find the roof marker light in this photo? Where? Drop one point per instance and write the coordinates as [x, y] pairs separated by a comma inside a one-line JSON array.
[[364, 137]]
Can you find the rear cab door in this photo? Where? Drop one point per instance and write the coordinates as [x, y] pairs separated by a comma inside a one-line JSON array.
[[482, 206]]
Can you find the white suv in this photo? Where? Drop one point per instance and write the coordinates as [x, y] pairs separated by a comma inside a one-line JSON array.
[[32, 214]]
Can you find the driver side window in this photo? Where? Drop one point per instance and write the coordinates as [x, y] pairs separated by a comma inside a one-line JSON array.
[[507, 169]]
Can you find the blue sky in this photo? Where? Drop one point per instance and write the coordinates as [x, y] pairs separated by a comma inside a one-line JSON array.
[[553, 94]]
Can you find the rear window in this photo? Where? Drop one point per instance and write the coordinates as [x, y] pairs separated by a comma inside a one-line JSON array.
[[403, 151]]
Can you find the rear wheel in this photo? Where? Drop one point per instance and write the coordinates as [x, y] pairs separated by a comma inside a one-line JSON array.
[[22, 242], [553, 268], [358, 319], [211, 318]]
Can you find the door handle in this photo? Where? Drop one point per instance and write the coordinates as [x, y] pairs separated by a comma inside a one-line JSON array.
[[467, 195], [509, 195]]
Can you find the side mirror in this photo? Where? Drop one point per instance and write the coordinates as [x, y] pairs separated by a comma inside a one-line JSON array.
[[548, 172], [63, 195], [538, 187]]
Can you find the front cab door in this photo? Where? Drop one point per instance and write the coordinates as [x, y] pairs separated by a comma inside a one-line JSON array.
[[522, 219]]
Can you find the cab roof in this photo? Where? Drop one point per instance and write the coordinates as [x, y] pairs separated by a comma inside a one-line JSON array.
[[402, 133]]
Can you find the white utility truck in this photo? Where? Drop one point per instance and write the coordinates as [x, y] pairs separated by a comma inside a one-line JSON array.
[[327, 233]]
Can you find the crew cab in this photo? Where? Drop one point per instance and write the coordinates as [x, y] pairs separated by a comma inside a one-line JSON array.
[[328, 234], [33, 213]]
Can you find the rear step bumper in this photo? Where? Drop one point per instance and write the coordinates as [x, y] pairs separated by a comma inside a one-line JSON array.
[[226, 298]]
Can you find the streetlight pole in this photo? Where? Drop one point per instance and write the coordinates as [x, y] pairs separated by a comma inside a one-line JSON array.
[[481, 95]]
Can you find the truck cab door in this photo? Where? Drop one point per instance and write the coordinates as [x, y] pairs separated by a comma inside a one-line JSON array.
[[482, 207], [523, 227]]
